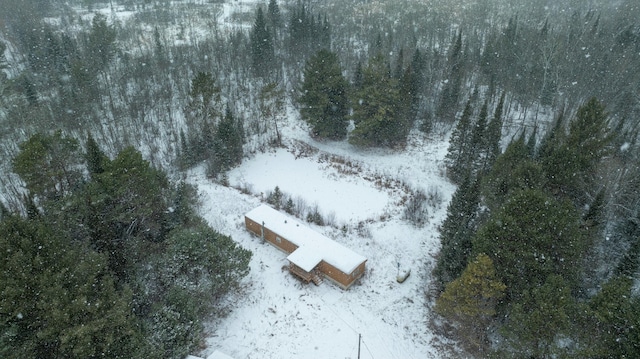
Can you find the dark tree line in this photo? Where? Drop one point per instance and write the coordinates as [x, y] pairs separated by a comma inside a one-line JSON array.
[[110, 259], [537, 219]]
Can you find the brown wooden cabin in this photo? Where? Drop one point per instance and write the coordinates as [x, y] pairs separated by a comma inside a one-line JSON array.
[[311, 254]]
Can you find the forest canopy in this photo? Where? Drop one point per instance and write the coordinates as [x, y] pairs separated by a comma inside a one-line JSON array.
[[110, 260]]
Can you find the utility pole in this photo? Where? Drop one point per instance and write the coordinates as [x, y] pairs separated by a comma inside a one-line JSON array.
[[359, 340]]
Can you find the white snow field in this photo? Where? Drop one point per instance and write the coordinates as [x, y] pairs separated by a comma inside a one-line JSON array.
[[277, 315]]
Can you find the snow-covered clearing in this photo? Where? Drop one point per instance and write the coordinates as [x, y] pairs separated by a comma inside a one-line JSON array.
[[277, 316]]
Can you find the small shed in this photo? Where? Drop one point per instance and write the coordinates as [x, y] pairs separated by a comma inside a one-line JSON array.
[[311, 254]]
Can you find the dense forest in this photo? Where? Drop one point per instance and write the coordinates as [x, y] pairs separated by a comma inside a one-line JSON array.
[[102, 112]]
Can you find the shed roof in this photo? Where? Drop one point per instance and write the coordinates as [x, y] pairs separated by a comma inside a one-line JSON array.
[[312, 246], [305, 258]]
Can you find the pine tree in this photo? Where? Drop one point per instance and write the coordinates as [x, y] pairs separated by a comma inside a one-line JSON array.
[[543, 315], [324, 97], [271, 102], [552, 138], [399, 69], [614, 324], [202, 112], [513, 171], [478, 141], [450, 95], [102, 43], [204, 96], [415, 83], [532, 143], [589, 134], [460, 152], [457, 231], [571, 158], [358, 80], [227, 148], [308, 33], [275, 198], [532, 237], [59, 299], [493, 136], [273, 11], [471, 300], [377, 114], [262, 51], [49, 165], [129, 201], [96, 159], [630, 262]]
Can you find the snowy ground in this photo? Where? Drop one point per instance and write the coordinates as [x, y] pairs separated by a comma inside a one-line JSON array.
[[280, 317]]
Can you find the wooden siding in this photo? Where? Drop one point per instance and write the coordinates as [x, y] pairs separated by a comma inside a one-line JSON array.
[[270, 236], [343, 280]]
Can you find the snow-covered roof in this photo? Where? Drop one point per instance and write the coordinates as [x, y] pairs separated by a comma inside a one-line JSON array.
[[312, 246], [305, 257]]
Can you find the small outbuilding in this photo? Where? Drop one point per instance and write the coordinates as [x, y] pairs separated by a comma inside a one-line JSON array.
[[311, 254]]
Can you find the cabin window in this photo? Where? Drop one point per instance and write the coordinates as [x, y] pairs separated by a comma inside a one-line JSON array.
[[278, 239], [355, 273]]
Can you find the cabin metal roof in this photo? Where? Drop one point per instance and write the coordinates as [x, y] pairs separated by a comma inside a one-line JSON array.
[[312, 246]]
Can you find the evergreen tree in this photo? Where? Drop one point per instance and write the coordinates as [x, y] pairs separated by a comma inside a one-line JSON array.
[[101, 43], [49, 165], [569, 159], [492, 137], [533, 236], [358, 77], [543, 315], [129, 205], [399, 69], [589, 134], [513, 171], [377, 114], [450, 95], [478, 140], [594, 216], [471, 299], [324, 96], [262, 51], [273, 11], [275, 198], [411, 87], [96, 159], [203, 263], [83, 91], [460, 152], [457, 231], [202, 111], [204, 97], [272, 109], [630, 262], [159, 47], [614, 324], [532, 143], [59, 300], [228, 143], [307, 33]]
